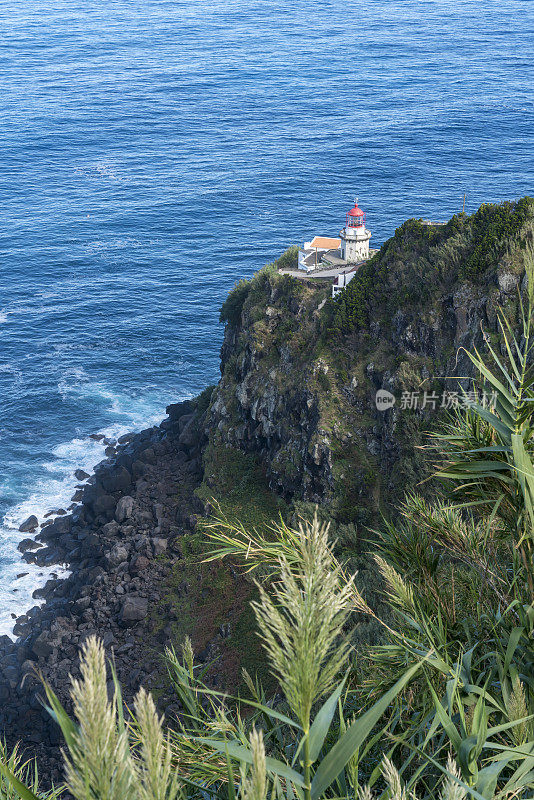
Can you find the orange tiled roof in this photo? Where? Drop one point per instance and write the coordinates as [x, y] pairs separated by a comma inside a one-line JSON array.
[[325, 243]]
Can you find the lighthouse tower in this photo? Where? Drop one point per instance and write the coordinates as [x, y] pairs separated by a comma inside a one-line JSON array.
[[355, 236]]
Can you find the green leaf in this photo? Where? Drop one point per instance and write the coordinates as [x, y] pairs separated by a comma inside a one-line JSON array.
[[507, 725], [58, 713], [525, 472], [467, 755], [487, 778], [322, 722], [501, 428], [513, 641], [342, 751], [446, 722], [492, 380], [270, 712], [230, 771], [243, 754], [18, 786], [118, 698]]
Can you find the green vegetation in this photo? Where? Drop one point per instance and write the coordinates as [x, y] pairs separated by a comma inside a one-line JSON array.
[[233, 305], [495, 227], [441, 704], [422, 259], [237, 484], [232, 308], [203, 400], [288, 259]]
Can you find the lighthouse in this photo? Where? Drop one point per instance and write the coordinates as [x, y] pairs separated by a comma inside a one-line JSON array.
[[355, 236]]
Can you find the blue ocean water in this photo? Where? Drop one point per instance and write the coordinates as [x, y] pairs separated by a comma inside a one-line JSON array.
[[154, 152]]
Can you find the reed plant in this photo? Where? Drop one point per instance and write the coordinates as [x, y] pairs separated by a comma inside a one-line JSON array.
[[446, 708]]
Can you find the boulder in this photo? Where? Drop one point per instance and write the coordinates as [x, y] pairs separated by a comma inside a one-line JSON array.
[[139, 565], [103, 503], [508, 282], [110, 529], [82, 604], [189, 436], [177, 410], [117, 555], [138, 469], [28, 544], [116, 480], [41, 646], [124, 509], [159, 546], [81, 475], [59, 527], [148, 456], [134, 609], [29, 525]]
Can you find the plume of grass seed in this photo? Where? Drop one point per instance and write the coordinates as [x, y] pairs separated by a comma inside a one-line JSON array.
[[254, 785], [365, 793], [393, 780], [451, 789], [188, 655], [517, 708], [399, 591], [300, 621], [156, 778], [98, 765]]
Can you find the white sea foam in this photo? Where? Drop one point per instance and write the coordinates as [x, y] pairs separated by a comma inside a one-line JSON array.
[[3, 316], [55, 486]]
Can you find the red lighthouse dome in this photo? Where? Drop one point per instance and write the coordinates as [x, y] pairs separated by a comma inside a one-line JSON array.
[[355, 217]]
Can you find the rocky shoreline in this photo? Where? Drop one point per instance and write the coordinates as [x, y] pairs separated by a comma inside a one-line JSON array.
[[120, 543]]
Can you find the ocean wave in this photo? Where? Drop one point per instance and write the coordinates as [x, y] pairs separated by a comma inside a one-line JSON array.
[[133, 411], [100, 169], [19, 581], [55, 486], [3, 316], [15, 372]]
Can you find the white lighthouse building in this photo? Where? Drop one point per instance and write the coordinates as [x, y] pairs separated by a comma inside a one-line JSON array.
[[355, 237]]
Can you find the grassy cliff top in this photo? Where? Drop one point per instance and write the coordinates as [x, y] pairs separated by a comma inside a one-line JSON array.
[[421, 262]]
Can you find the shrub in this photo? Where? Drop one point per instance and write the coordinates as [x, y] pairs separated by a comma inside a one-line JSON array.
[[204, 398], [289, 258], [419, 258], [494, 228], [232, 307], [323, 380]]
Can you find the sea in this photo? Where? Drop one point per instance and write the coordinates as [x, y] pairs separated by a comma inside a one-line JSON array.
[[154, 152]]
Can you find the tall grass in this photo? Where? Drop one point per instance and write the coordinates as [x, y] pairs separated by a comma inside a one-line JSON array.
[[446, 707]]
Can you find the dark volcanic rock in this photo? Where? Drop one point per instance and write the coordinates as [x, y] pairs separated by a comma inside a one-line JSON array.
[[29, 525], [28, 544], [116, 480], [42, 647], [104, 504], [124, 508], [134, 609], [177, 410], [81, 475], [111, 542]]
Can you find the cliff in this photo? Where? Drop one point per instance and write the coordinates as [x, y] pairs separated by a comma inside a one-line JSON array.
[[293, 421], [300, 372]]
